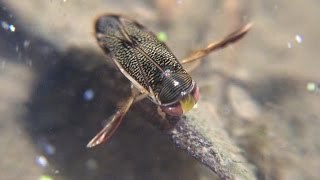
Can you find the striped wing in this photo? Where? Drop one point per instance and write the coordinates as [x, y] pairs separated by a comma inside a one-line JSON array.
[[142, 58]]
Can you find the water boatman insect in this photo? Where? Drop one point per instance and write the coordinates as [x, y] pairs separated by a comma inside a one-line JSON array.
[[151, 67]]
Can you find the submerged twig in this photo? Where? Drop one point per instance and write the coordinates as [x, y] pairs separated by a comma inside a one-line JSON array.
[[202, 137]]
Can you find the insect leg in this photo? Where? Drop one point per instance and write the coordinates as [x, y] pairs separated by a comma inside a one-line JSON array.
[[116, 120], [231, 38]]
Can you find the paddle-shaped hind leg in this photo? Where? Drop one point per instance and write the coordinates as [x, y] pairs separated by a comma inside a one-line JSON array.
[[229, 39], [116, 120]]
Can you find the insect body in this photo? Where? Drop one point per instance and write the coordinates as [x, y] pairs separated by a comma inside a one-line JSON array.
[[150, 66], [147, 63]]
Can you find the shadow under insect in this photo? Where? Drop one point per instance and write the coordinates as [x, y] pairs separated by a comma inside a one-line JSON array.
[[62, 115]]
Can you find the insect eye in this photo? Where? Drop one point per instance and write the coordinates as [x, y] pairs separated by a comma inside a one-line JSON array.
[[173, 110], [185, 104]]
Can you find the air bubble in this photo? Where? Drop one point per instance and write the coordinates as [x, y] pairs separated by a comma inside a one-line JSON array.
[[299, 38], [42, 161], [88, 94], [7, 26]]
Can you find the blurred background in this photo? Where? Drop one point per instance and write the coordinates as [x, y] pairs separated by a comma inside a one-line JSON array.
[[57, 88]]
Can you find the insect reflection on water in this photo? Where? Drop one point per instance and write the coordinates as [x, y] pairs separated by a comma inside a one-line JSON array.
[[151, 67]]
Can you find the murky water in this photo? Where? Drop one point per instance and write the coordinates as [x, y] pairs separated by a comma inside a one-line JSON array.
[[57, 89]]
